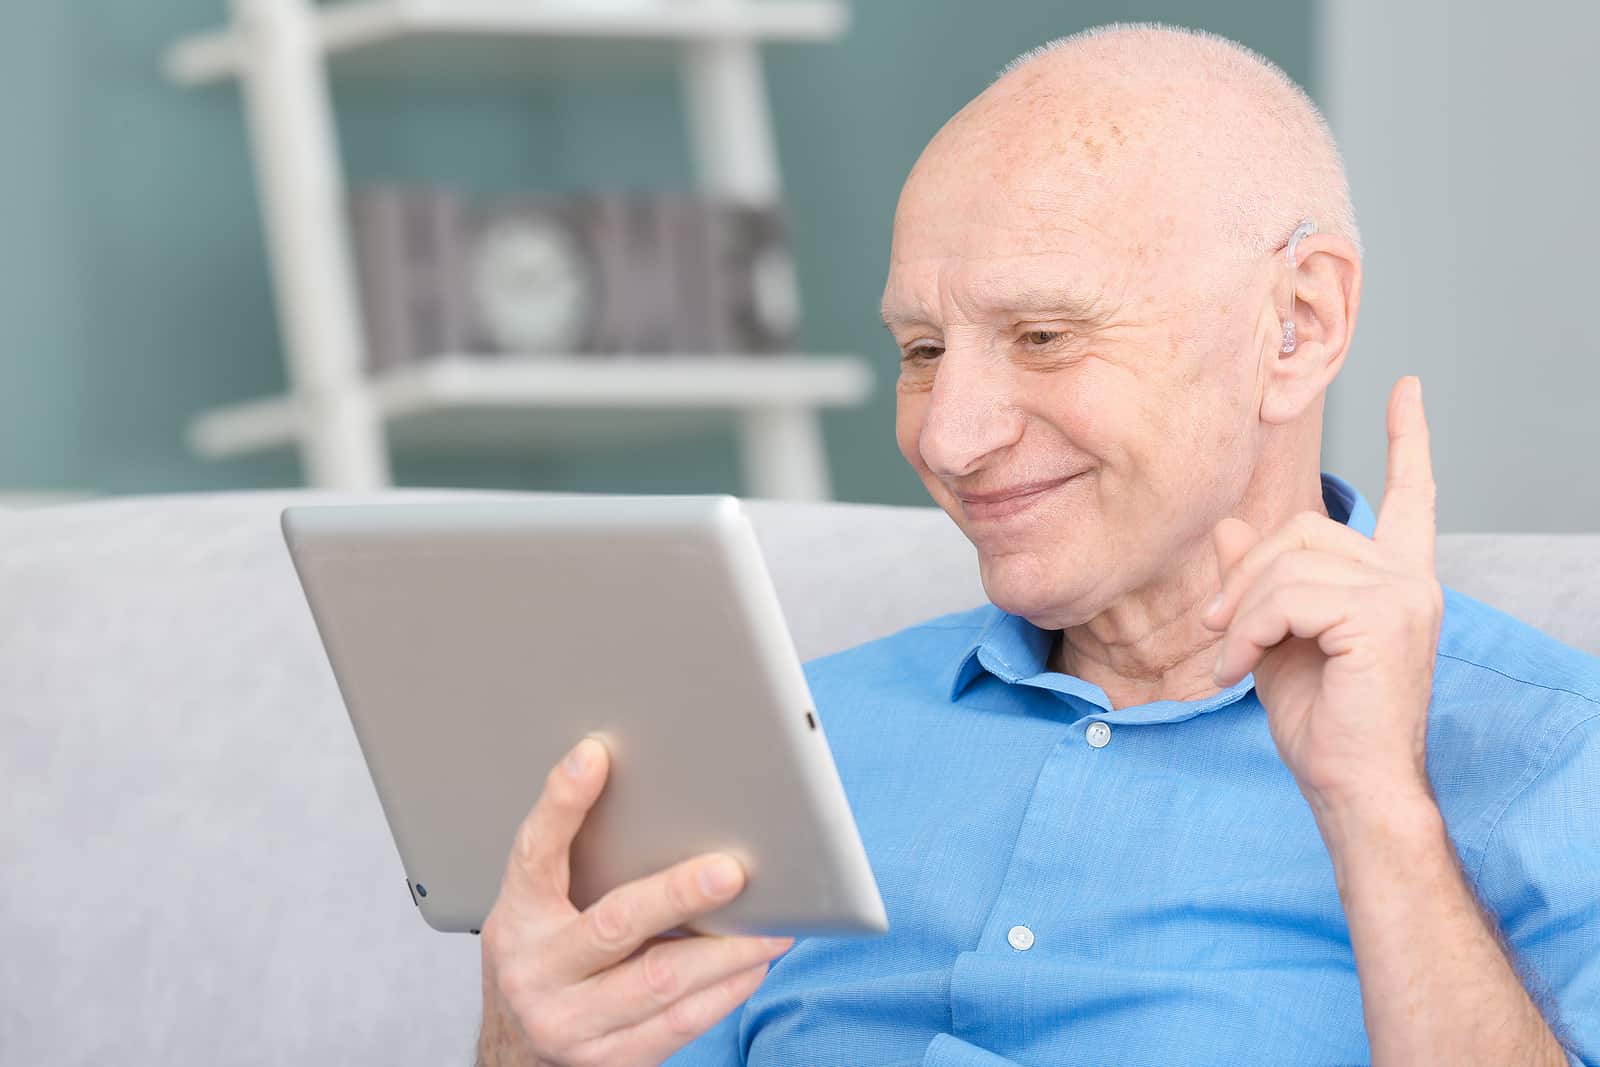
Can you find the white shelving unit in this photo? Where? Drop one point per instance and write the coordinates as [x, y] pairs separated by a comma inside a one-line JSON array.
[[279, 51]]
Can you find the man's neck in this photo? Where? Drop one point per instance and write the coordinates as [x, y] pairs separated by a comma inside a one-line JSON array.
[[1151, 645]]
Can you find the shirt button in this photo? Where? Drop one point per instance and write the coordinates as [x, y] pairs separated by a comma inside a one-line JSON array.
[[1021, 938], [1098, 735]]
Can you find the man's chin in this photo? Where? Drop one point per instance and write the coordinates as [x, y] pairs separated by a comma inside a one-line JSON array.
[[1024, 585]]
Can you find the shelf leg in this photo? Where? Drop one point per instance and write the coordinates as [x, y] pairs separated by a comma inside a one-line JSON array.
[[736, 157], [730, 119], [289, 117], [783, 454]]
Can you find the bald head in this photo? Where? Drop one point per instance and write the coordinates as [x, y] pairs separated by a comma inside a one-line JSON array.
[[1209, 128]]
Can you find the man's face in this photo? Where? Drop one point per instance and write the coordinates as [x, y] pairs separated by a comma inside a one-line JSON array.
[[1065, 329]]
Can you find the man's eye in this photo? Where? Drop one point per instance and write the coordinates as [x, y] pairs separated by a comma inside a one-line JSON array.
[[923, 352], [1041, 338]]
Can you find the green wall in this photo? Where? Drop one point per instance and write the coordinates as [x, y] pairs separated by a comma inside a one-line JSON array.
[[133, 281]]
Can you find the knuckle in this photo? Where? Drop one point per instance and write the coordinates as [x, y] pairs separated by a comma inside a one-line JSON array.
[[682, 1019], [1427, 598], [1251, 605], [547, 1029], [497, 938], [682, 893], [518, 987], [525, 851], [611, 921], [1282, 599], [662, 980]]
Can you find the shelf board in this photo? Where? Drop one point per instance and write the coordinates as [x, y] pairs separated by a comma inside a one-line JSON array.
[[358, 24], [658, 385]]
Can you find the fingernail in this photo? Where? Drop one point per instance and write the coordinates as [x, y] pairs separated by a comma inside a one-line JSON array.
[[719, 877], [1213, 606], [778, 944], [1216, 671], [576, 760]]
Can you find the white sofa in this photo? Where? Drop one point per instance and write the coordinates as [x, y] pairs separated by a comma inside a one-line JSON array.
[[193, 865]]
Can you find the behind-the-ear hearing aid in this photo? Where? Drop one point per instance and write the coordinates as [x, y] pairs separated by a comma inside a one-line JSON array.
[[1301, 232]]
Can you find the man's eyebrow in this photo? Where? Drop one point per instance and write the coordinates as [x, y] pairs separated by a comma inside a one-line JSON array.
[[892, 317]]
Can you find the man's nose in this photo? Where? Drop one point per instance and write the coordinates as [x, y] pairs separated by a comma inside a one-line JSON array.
[[972, 412]]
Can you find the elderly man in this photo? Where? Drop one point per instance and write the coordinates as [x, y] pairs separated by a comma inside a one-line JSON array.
[[1221, 775]]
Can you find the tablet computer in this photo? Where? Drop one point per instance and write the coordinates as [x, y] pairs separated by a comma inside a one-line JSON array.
[[475, 642]]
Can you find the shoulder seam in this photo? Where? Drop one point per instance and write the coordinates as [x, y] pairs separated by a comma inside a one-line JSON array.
[[1494, 826], [1587, 698]]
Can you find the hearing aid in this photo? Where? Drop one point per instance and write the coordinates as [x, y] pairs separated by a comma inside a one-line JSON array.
[[1306, 228]]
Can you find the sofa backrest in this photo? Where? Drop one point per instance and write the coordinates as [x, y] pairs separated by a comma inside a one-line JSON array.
[[195, 866]]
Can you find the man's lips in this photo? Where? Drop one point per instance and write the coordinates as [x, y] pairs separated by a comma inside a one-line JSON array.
[[1002, 502]]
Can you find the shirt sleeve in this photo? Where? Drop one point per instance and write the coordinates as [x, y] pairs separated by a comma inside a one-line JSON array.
[[717, 1047], [1541, 873]]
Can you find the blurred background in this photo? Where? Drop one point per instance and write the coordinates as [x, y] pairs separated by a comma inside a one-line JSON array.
[[509, 175]]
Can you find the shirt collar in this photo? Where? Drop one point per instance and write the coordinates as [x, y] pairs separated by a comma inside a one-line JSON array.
[[1014, 650]]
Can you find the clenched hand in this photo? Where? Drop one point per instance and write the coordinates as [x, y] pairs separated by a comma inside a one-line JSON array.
[[1341, 630]]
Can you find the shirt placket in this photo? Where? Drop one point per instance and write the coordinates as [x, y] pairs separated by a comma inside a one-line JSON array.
[[1026, 912]]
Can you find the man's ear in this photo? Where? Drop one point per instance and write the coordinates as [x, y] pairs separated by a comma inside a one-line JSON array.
[[1327, 294]]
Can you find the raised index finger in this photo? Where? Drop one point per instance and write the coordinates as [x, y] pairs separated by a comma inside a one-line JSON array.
[[1406, 523]]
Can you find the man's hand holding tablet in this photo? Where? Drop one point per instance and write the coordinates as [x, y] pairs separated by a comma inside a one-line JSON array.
[[602, 986]]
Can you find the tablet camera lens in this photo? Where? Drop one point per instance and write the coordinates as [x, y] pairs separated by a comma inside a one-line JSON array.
[[422, 890]]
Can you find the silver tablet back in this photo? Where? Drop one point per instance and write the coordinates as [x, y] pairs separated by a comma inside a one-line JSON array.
[[475, 642]]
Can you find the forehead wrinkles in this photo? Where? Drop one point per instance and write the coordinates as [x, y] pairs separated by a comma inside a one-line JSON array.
[[1041, 283], [950, 292], [973, 262]]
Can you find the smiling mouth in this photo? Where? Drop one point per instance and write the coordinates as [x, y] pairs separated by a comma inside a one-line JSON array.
[[977, 510]]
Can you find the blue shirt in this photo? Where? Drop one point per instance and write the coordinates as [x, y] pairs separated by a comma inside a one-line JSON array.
[[1164, 898]]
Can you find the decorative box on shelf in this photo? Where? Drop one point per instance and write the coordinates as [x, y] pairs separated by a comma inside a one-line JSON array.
[[603, 273]]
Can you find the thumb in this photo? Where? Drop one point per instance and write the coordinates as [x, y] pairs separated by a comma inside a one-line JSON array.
[[1233, 537]]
